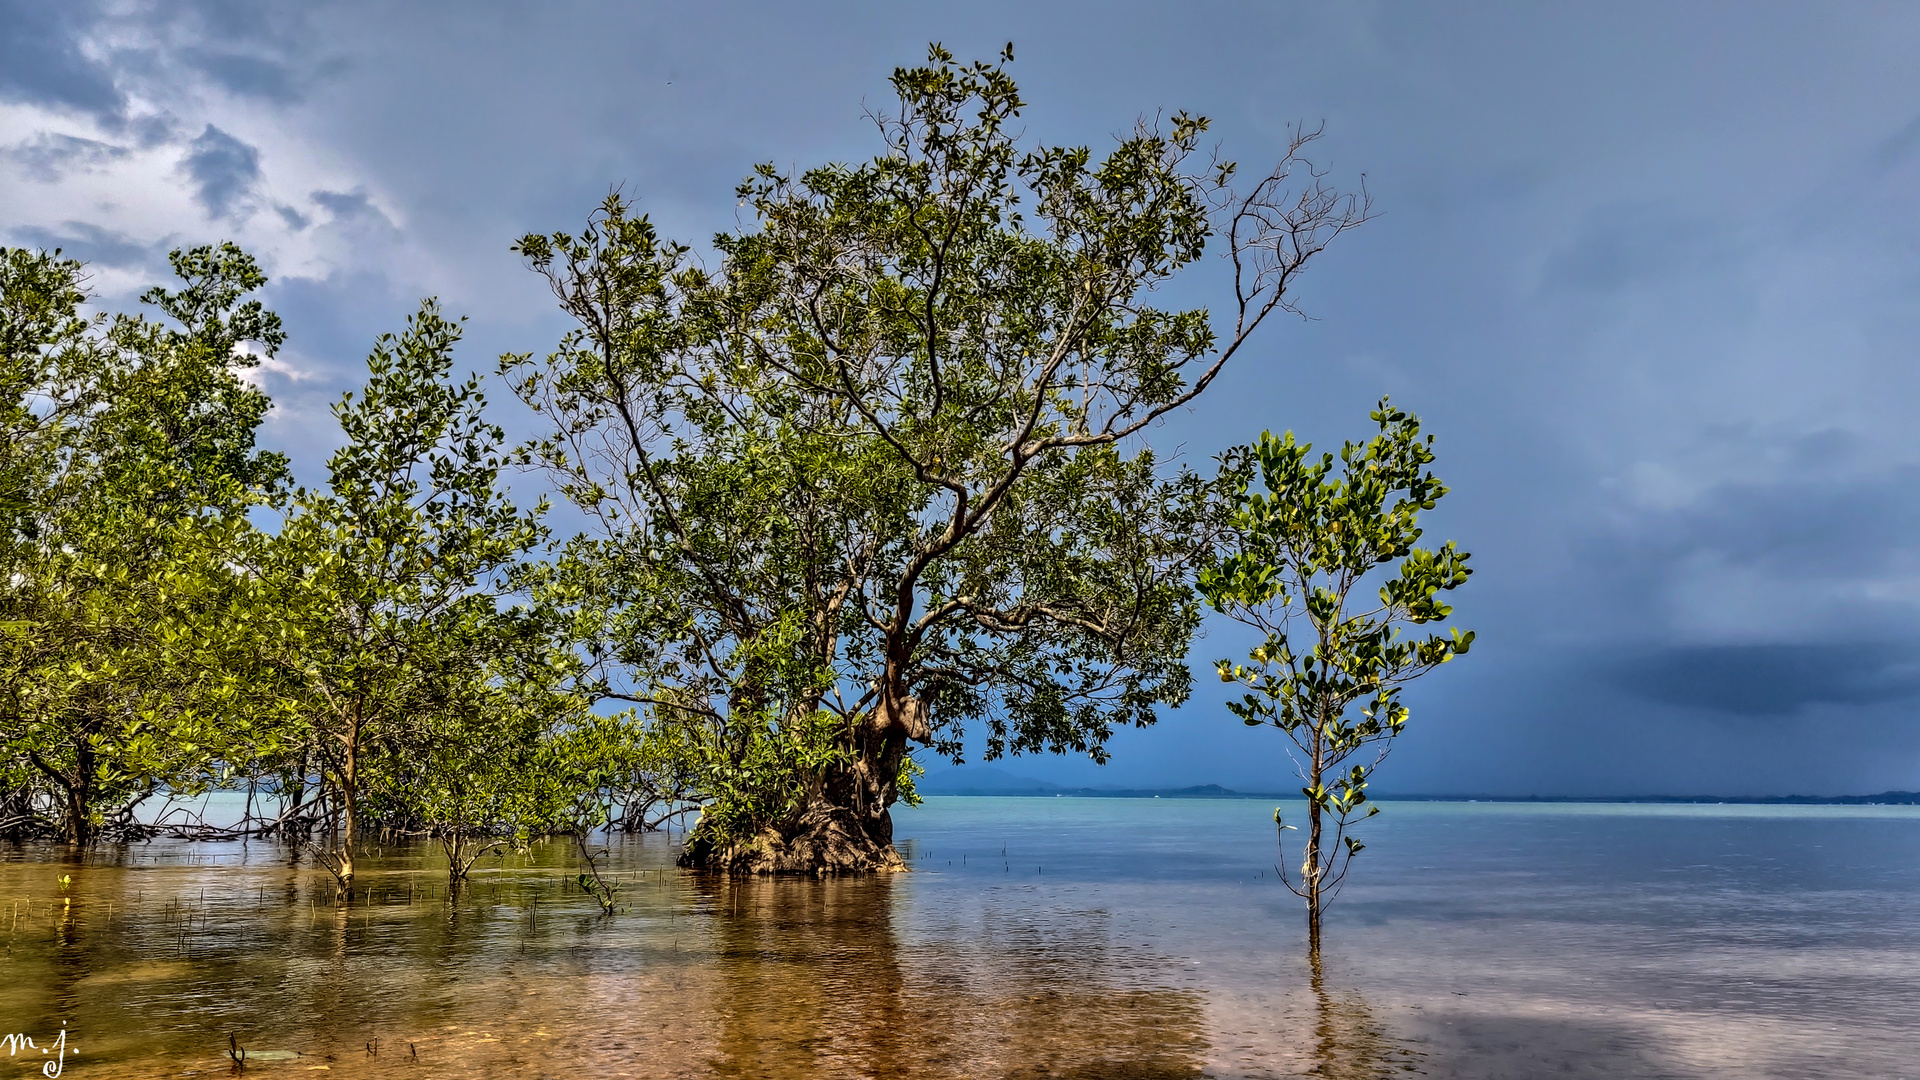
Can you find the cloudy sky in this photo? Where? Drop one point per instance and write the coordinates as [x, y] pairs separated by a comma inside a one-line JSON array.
[[1651, 272]]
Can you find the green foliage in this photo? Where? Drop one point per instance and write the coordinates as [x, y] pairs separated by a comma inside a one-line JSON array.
[[880, 463], [129, 445], [152, 640], [1306, 547], [874, 478], [498, 753], [904, 781], [41, 333], [756, 770], [375, 610]]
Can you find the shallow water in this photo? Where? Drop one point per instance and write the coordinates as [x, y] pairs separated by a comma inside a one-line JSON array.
[[1037, 937]]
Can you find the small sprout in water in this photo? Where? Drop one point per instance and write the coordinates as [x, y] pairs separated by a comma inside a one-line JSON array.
[[66, 882]]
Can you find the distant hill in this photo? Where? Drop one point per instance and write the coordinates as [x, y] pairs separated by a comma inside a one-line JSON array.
[[1884, 798], [981, 780], [985, 780]]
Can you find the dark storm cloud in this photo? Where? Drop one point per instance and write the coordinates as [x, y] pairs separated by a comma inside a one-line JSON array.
[[93, 245], [151, 130], [347, 206], [1816, 525], [254, 76], [279, 26], [1772, 680], [223, 170], [41, 60], [49, 156], [262, 51]]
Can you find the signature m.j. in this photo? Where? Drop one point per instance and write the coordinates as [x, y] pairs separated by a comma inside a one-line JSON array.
[[55, 1053]]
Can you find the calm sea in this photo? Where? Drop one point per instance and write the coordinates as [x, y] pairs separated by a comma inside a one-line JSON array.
[[1088, 938]]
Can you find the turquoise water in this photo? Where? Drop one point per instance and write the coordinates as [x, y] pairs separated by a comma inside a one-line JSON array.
[[1035, 937]]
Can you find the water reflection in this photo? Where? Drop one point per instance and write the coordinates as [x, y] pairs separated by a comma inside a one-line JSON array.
[[1348, 1043], [154, 957], [816, 981], [810, 977], [1533, 941]]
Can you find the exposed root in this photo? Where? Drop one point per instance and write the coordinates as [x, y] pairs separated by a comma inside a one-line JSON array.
[[825, 840]]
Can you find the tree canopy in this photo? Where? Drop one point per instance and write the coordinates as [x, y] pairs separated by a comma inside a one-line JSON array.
[[130, 444], [872, 473], [877, 475]]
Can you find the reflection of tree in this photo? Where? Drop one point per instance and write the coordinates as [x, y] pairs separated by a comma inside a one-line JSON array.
[[816, 982], [1348, 1044], [810, 979]]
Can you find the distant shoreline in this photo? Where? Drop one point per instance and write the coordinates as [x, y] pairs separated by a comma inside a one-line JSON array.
[[1215, 791]]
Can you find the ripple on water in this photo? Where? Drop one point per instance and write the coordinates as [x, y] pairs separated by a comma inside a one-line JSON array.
[[1038, 938]]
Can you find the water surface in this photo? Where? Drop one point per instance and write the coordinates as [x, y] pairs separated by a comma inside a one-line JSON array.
[[1036, 938]]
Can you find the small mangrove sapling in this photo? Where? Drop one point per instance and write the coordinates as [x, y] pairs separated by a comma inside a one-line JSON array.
[[1329, 671]]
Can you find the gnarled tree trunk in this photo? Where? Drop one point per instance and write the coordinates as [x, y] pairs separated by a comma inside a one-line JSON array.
[[846, 824]]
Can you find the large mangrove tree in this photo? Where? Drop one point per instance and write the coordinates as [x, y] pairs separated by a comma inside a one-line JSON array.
[[874, 474]]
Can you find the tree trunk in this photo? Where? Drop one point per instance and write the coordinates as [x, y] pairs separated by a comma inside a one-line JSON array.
[[846, 826], [463, 850], [342, 860], [1310, 871], [290, 814], [76, 821], [78, 831], [1311, 867], [457, 866]]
